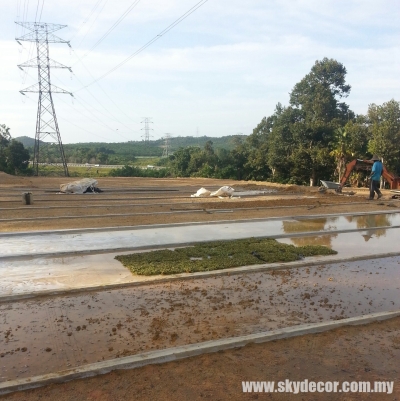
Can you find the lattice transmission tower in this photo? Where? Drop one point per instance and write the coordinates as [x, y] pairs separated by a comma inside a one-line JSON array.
[[166, 146], [46, 121], [147, 128]]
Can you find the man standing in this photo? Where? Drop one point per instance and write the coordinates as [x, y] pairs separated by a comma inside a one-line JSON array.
[[376, 172]]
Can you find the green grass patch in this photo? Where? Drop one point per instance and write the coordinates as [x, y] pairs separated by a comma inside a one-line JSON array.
[[218, 255]]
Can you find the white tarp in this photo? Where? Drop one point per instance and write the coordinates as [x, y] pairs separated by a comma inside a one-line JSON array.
[[223, 192], [202, 192], [78, 187]]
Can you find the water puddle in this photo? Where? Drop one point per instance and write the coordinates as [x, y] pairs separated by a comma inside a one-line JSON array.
[[341, 223], [363, 243], [52, 243]]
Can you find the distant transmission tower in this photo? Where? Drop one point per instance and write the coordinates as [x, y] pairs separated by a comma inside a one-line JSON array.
[[147, 129], [46, 122], [166, 147]]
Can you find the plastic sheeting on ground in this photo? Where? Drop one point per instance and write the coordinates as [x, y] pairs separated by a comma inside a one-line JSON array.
[[223, 192], [78, 187], [202, 192]]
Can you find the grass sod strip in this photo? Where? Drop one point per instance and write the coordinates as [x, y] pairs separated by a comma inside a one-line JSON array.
[[217, 255]]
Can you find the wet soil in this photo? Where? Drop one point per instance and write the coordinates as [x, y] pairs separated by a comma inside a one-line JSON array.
[[56, 333], [108, 215], [51, 332], [166, 201], [358, 353]]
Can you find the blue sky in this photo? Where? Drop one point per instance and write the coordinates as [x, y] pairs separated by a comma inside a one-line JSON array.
[[218, 72]]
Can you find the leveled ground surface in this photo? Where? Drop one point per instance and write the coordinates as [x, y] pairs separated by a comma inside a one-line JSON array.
[[51, 334], [360, 353], [139, 201], [370, 353]]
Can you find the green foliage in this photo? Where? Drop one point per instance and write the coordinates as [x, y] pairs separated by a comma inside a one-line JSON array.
[[17, 156], [132, 171], [14, 158], [295, 144], [314, 137], [217, 255], [384, 128], [318, 93], [122, 153], [5, 138]]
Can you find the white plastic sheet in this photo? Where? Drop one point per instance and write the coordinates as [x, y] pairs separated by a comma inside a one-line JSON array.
[[78, 187], [202, 192], [223, 192]]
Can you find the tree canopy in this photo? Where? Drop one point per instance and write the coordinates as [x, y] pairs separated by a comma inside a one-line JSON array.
[[14, 158], [313, 137]]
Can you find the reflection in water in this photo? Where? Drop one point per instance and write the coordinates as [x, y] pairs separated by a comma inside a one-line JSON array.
[[372, 220], [300, 226], [324, 240], [310, 225], [375, 221]]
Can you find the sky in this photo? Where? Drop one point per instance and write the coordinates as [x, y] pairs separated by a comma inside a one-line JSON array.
[[218, 72]]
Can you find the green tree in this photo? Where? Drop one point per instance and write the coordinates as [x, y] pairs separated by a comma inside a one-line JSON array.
[[179, 161], [357, 137], [17, 157], [5, 139], [301, 135], [102, 158], [317, 97], [319, 92], [340, 150], [256, 150], [384, 127]]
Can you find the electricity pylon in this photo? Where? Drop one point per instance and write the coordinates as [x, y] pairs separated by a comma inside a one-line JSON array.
[[147, 129], [166, 147], [46, 121]]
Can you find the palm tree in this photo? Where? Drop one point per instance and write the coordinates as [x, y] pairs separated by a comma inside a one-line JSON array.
[[340, 150]]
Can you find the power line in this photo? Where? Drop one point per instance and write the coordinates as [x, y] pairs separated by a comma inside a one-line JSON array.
[[41, 11], [162, 33], [87, 18], [99, 121], [119, 20], [37, 9], [105, 108], [102, 89], [93, 23], [69, 121], [80, 99]]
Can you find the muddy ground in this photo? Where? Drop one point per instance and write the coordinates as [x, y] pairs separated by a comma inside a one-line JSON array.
[[50, 334], [355, 353], [370, 353], [138, 201]]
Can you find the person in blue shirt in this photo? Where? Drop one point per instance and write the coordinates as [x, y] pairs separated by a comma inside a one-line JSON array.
[[376, 172]]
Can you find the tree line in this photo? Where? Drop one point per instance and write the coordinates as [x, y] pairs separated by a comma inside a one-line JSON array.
[[118, 153], [311, 138]]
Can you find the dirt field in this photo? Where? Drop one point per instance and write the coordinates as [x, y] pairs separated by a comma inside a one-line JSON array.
[[350, 354], [361, 353], [139, 201]]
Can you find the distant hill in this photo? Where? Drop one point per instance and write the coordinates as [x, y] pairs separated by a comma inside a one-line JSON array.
[[225, 142], [124, 152], [26, 141]]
